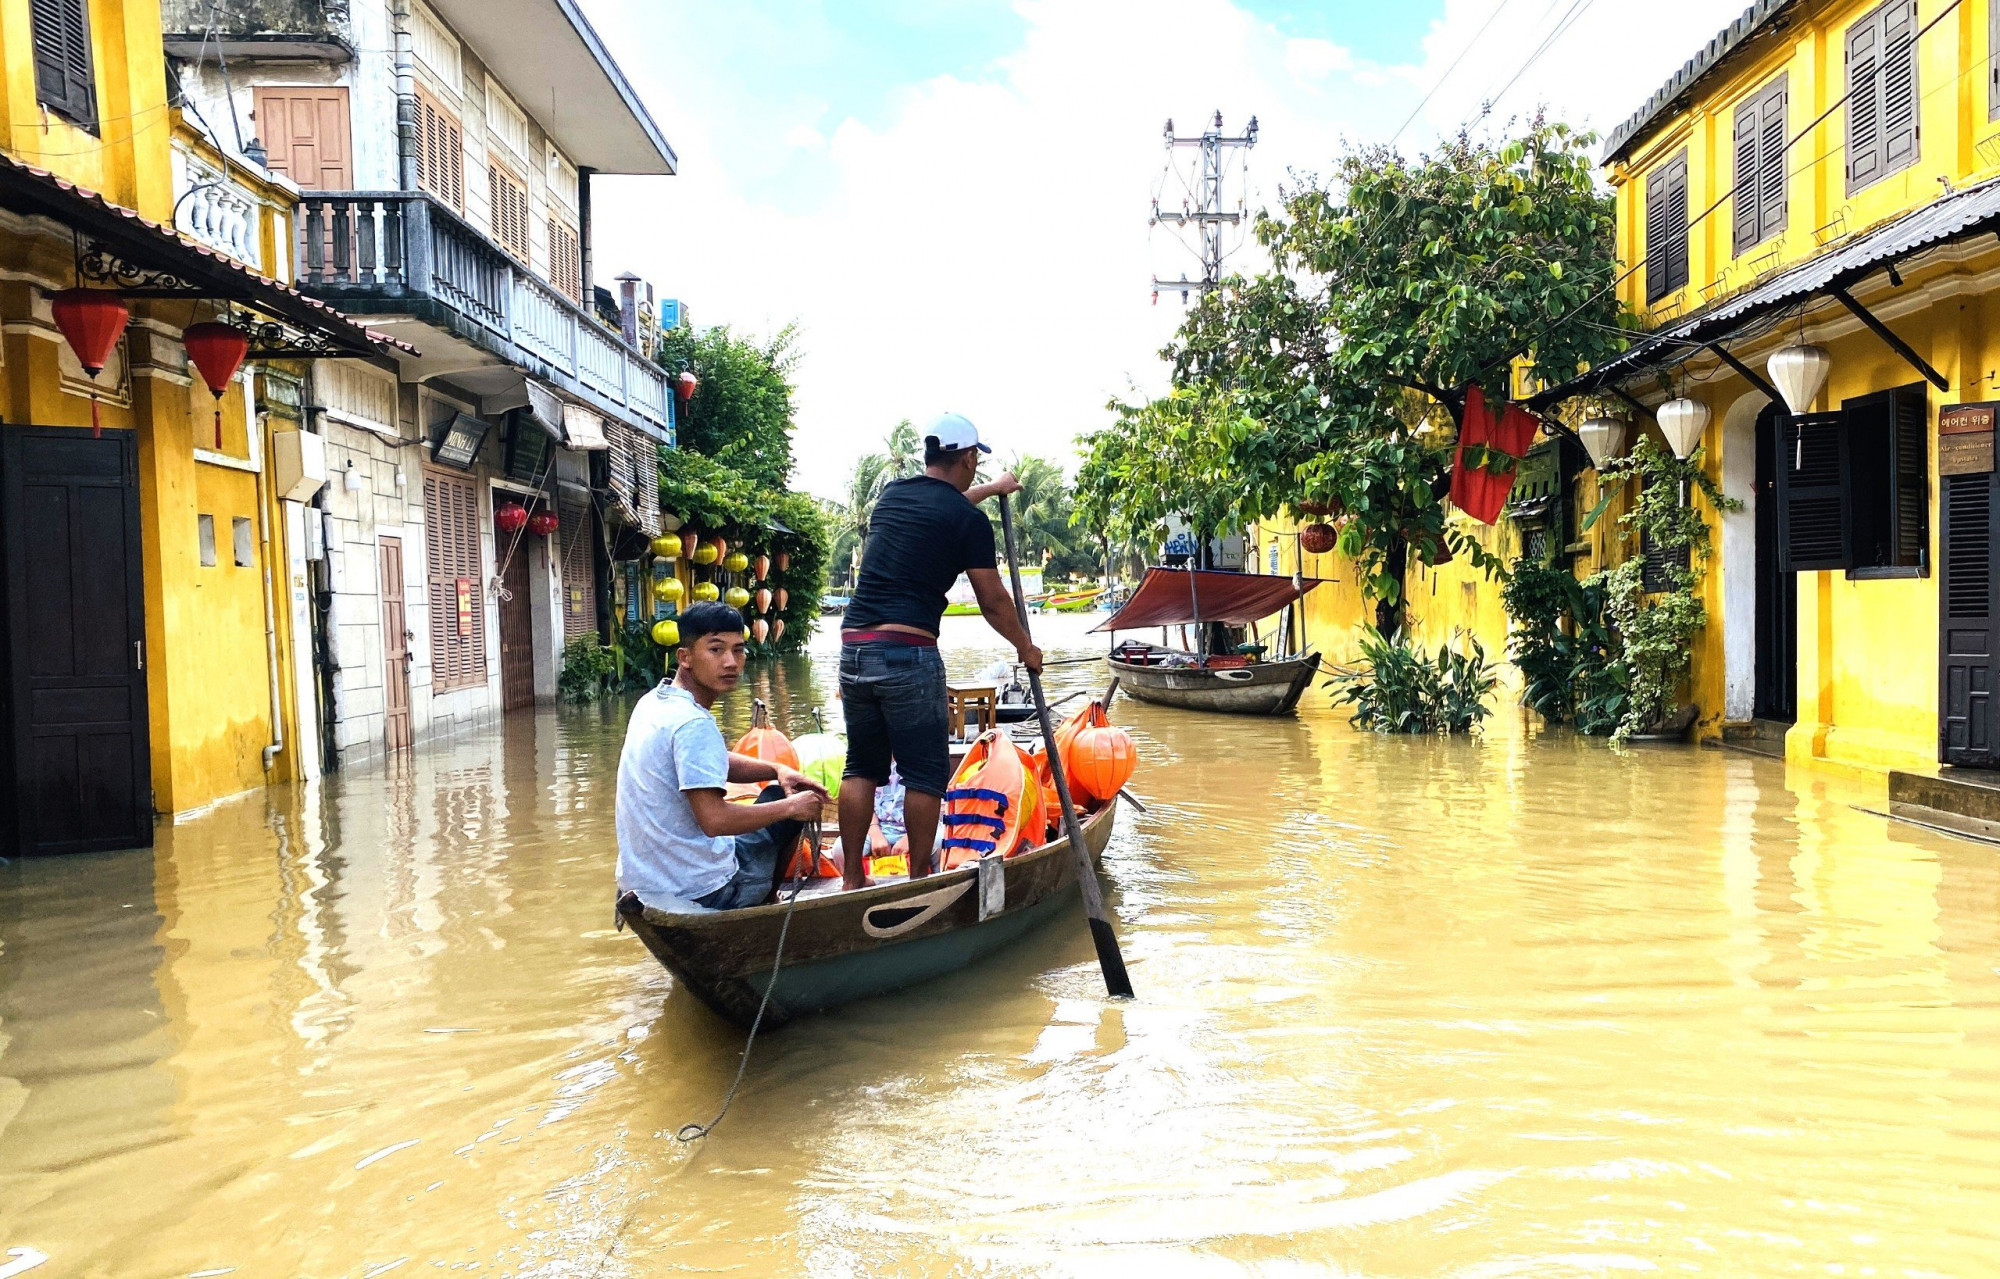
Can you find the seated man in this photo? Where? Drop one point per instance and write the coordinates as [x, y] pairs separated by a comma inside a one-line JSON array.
[[677, 835]]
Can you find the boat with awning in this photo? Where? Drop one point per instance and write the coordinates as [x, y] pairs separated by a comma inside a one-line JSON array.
[[1192, 677]]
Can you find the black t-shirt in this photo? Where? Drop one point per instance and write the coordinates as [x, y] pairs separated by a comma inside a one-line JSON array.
[[921, 535]]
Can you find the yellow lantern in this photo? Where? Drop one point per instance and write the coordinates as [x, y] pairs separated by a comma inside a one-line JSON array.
[[704, 592], [736, 597], [705, 553], [669, 589], [666, 634], [736, 562], [667, 546]]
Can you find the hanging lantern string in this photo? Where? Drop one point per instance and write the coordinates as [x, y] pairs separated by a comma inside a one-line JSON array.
[[499, 589]]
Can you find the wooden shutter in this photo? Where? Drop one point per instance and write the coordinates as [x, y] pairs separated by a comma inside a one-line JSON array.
[[565, 260], [1966, 647], [1658, 572], [1899, 85], [508, 204], [64, 80], [579, 573], [451, 555], [1864, 102], [1909, 476], [1667, 228], [440, 152], [1771, 113], [1748, 136], [306, 135], [1815, 499]]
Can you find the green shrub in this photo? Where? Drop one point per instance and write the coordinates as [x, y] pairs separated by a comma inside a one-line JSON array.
[[1564, 647], [1402, 689], [589, 671]]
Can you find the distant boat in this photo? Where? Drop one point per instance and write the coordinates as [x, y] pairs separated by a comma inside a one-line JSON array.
[[1198, 681]]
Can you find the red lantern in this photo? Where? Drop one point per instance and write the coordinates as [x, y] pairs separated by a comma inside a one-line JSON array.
[[508, 517], [684, 387], [217, 351], [543, 523], [91, 321], [1317, 539]]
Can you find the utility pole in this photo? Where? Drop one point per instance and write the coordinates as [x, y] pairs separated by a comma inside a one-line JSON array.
[[1205, 210]]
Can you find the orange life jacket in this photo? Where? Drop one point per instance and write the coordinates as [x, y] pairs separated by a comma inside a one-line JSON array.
[[994, 804]]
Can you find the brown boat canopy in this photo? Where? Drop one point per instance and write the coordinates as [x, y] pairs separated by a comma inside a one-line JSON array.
[[1179, 597]]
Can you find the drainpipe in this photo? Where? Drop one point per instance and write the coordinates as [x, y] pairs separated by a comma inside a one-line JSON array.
[[583, 235], [406, 94], [268, 548]]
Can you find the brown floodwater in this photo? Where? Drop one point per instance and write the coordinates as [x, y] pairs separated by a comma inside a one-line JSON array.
[[1521, 1005]]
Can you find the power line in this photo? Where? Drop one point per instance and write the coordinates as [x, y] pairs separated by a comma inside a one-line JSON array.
[[1569, 19], [1446, 73]]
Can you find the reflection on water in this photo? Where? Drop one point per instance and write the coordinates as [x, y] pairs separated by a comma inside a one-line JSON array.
[[1520, 1006]]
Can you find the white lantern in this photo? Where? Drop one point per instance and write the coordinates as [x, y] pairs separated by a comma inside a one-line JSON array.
[[1682, 421], [1603, 438], [1800, 372]]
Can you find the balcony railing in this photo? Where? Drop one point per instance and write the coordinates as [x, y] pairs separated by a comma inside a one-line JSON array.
[[385, 250]]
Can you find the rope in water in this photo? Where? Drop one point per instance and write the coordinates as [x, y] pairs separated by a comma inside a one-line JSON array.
[[695, 1132]]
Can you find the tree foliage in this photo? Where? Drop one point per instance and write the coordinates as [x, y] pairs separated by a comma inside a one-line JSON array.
[[901, 454], [1395, 284], [741, 413], [1170, 458], [1043, 524]]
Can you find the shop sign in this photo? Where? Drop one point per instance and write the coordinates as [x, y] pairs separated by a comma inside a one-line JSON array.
[[459, 444], [1965, 438], [465, 585]]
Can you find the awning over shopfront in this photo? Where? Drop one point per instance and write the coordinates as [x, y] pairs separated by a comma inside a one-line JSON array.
[[1951, 219], [1179, 597], [546, 407], [132, 255]]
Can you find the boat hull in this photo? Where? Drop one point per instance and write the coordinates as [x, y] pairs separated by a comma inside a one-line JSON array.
[[1263, 688], [847, 946]]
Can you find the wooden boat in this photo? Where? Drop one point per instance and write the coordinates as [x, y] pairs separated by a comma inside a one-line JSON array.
[[846, 946], [1257, 688], [1198, 681]]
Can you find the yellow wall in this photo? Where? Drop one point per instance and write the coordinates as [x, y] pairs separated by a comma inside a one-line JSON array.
[[208, 666], [1957, 143]]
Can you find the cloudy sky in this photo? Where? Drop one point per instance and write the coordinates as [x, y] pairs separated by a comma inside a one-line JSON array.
[[950, 197]]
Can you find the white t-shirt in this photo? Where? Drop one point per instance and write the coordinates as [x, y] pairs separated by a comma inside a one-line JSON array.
[[671, 745]]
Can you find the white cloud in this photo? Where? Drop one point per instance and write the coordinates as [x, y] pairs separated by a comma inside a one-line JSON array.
[[984, 247]]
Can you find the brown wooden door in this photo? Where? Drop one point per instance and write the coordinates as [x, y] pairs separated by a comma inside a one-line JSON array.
[[305, 133], [76, 770], [517, 621], [395, 649]]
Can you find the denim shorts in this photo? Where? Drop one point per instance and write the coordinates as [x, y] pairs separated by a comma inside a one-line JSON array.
[[894, 699]]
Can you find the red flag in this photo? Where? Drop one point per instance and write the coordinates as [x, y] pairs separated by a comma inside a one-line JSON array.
[[1479, 487]]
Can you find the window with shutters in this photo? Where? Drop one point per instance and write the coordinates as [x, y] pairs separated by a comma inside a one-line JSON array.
[[440, 152], [64, 80], [1759, 188], [1667, 228], [1882, 97], [452, 570], [1889, 465], [565, 260], [508, 198]]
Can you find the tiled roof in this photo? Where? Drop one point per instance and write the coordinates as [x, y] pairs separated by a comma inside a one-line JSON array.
[[1754, 20], [39, 191]]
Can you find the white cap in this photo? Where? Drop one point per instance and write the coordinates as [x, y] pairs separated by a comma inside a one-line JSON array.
[[953, 431]]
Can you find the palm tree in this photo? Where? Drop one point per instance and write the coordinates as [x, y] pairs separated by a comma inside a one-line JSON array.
[[902, 455]]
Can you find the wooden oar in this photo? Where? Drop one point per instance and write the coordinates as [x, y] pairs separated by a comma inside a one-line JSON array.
[[1110, 960]]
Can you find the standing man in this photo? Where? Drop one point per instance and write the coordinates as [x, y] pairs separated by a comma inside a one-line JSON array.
[[924, 531], [678, 836]]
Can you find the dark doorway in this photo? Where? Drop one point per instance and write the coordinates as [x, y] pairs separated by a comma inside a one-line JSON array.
[[1967, 652], [77, 769], [1777, 661], [517, 618]]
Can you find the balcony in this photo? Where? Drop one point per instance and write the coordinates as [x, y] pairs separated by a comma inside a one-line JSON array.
[[404, 253], [319, 30]]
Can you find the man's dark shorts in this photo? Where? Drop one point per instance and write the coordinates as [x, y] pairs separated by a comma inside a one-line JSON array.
[[893, 695], [757, 867]]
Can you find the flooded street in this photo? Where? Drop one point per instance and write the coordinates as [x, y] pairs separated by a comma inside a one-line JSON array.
[[1514, 1006]]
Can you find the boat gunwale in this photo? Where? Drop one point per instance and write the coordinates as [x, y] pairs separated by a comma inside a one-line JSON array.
[[875, 894]]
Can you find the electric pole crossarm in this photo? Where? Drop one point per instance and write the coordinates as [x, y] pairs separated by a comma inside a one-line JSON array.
[[1181, 219]]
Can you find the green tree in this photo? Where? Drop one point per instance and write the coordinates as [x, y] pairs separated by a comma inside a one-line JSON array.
[[1170, 458], [1042, 520], [901, 455], [741, 413], [1395, 285]]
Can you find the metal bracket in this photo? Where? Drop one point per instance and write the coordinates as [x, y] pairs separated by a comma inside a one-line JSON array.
[[1630, 399], [1895, 343], [1746, 373], [100, 265]]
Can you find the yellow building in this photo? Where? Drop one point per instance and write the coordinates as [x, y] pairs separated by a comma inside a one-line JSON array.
[[146, 626]]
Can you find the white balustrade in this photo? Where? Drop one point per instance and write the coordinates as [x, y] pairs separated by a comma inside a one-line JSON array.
[[216, 211]]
